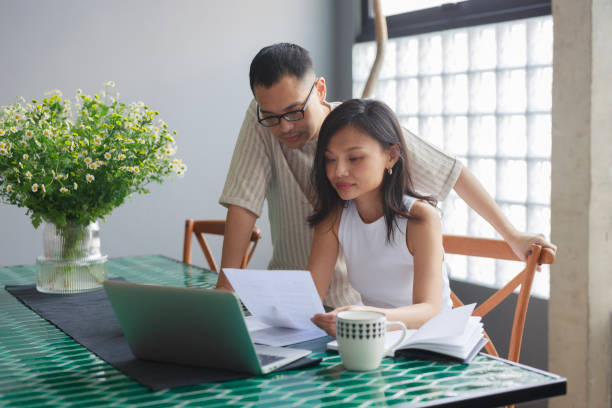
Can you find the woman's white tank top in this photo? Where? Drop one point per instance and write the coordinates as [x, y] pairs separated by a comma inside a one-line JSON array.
[[382, 272]]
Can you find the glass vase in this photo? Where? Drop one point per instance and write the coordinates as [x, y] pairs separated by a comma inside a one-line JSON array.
[[72, 262]]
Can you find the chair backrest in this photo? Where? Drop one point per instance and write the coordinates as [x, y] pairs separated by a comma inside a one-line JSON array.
[[216, 227], [498, 249]]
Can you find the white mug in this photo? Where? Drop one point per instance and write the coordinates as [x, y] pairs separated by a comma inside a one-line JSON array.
[[361, 338]]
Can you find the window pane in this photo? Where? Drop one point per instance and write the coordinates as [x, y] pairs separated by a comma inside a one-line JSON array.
[[539, 136], [430, 54], [512, 180], [430, 95], [407, 56], [432, 129], [363, 57], [456, 135], [511, 91], [539, 181], [456, 54], [408, 97], [511, 136], [456, 94], [540, 41], [483, 92], [540, 89], [483, 135], [483, 47], [512, 43]]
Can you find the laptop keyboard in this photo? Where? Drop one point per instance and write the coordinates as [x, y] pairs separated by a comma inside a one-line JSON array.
[[266, 359]]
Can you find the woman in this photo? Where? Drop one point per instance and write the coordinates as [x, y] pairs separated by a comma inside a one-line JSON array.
[[390, 235]]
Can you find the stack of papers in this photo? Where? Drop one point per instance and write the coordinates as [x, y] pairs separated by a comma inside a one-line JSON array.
[[281, 304], [454, 333]]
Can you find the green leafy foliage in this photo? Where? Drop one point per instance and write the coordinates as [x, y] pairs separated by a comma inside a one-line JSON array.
[[76, 165]]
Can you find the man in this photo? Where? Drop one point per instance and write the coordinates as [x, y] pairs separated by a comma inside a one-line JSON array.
[[273, 159]]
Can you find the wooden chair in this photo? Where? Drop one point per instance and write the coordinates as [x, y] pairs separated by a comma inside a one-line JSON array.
[[498, 249], [217, 227]]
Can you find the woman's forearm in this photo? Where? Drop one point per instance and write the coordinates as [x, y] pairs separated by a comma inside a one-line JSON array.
[[413, 316]]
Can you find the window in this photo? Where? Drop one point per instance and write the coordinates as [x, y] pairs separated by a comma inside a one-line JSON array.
[[483, 94]]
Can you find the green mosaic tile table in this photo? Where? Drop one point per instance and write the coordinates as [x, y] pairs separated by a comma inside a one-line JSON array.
[[40, 366]]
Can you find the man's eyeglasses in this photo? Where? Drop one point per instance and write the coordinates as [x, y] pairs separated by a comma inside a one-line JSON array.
[[291, 116]]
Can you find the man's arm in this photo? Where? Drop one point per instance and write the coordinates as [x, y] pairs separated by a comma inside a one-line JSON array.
[[239, 224], [473, 193]]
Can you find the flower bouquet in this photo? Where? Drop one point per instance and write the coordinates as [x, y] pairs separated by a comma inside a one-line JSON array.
[[70, 166]]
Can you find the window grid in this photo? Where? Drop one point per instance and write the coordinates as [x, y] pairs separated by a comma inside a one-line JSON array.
[[482, 94]]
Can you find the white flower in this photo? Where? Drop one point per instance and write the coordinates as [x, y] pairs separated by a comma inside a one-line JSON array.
[[26, 156], [87, 160], [29, 133], [2, 132], [76, 186], [9, 188], [121, 156], [23, 143], [107, 156], [93, 166], [63, 190], [136, 170], [29, 176], [37, 143], [34, 187], [46, 132], [3, 151], [13, 129], [89, 178]]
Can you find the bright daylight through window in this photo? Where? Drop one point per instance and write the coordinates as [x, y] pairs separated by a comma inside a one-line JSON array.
[[483, 94]]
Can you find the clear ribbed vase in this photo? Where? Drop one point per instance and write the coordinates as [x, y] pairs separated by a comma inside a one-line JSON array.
[[72, 262]]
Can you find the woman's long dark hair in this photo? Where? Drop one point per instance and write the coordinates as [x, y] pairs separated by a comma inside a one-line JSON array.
[[377, 120]]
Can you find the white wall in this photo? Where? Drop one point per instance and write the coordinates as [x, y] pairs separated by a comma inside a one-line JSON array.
[[187, 59]]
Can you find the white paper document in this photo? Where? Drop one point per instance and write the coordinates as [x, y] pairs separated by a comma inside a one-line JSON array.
[[281, 300], [261, 333]]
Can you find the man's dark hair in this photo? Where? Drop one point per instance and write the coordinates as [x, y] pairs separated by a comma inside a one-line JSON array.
[[275, 61]]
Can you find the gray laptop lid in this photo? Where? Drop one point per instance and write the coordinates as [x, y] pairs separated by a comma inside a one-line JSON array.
[[184, 325]]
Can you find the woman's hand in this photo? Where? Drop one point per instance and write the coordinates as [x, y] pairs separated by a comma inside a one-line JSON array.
[[327, 321]]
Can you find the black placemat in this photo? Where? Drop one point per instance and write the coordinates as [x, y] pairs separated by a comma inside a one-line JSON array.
[[89, 319]]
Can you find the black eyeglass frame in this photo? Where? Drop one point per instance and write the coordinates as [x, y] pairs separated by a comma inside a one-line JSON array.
[[286, 114]]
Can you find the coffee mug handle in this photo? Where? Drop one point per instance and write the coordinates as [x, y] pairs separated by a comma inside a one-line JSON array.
[[397, 343]]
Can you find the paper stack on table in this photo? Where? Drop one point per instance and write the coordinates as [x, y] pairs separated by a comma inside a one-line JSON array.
[[281, 303]]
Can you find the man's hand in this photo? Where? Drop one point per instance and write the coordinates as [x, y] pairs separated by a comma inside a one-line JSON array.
[[239, 224], [521, 242]]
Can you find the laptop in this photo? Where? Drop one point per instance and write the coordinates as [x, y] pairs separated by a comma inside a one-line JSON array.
[[198, 327]]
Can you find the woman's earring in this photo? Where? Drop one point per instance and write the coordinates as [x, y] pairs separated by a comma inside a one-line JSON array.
[[390, 170]]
